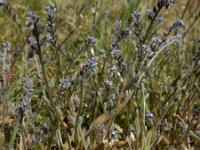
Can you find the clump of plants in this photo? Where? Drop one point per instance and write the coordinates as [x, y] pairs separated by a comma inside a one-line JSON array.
[[125, 82]]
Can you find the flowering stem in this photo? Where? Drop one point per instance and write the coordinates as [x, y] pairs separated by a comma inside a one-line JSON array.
[[186, 6], [42, 65], [23, 138], [149, 28]]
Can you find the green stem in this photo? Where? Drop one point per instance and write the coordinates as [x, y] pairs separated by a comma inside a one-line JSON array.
[[79, 113], [186, 7], [149, 28], [43, 67], [23, 138]]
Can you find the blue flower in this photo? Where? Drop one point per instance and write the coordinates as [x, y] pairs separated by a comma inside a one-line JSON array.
[[102, 51], [118, 25], [132, 129], [91, 40], [160, 19], [90, 67], [126, 32], [180, 22], [91, 62], [149, 116], [30, 13], [150, 13], [49, 38], [51, 11], [108, 84], [116, 54], [66, 83]]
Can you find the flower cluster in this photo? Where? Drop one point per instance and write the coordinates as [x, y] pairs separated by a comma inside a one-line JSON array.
[[108, 84], [145, 50], [150, 13], [90, 67], [149, 116], [125, 33], [66, 83], [51, 27], [28, 89], [156, 42], [21, 109], [165, 3], [118, 25], [119, 35], [91, 40], [136, 24], [33, 22], [116, 54]]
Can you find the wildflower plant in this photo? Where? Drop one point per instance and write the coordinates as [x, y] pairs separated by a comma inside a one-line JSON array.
[[114, 77]]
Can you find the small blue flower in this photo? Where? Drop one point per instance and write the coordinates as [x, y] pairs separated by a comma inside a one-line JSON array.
[[116, 54], [160, 19], [66, 83], [51, 11], [112, 70], [118, 25], [6, 45], [49, 38], [102, 51], [91, 40], [101, 127], [90, 67], [108, 84], [30, 13], [116, 134], [157, 40], [149, 116], [150, 13], [31, 41], [22, 108], [132, 130], [91, 62], [180, 22], [136, 14], [126, 32], [45, 128]]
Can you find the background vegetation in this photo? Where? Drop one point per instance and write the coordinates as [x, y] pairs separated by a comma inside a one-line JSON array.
[[99, 74]]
